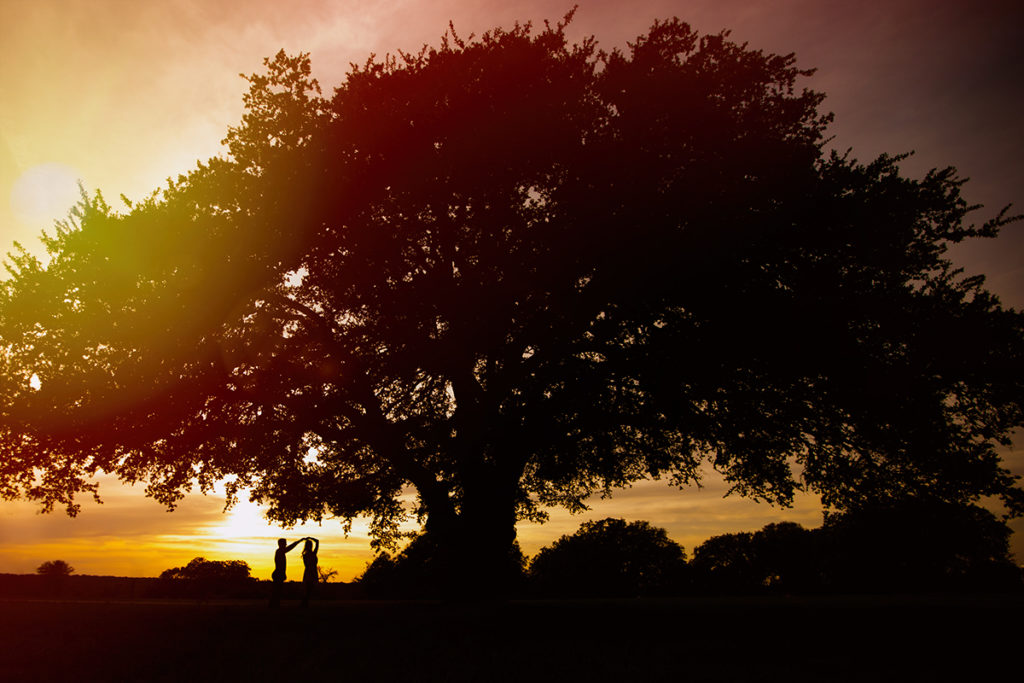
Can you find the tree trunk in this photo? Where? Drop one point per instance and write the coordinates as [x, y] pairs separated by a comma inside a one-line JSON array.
[[475, 548]]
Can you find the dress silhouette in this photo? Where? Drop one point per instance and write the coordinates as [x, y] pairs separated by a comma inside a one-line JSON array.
[[310, 575], [279, 575]]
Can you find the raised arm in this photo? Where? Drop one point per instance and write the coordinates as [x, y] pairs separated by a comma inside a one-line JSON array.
[[292, 545]]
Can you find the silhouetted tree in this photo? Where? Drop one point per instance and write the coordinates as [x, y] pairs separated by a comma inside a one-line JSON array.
[[202, 578], [506, 273], [326, 574], [728, 563], [54, 576], [781, 557], [788, 557], [213, 570], [918, 545], [610, 558], [55, 568], [910, 545]]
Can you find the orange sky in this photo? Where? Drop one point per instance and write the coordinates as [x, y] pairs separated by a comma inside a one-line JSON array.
[[123, 94]]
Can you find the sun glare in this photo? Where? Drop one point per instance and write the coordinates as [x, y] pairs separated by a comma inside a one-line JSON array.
[[45, 193], [243, 520]]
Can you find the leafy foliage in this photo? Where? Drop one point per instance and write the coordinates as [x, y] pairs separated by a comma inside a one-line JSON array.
[[919, 545], [912, 545], [783, 556], [201, 569], [610, 558], [326, 574], [507, 273], [55, 568]]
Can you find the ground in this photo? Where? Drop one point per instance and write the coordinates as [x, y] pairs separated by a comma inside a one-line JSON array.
[[817, 639]]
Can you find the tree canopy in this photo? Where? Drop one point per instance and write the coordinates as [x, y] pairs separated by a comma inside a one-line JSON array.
[[510, 272], [910, 545], [610, 558], [201, 569], [55, 568]]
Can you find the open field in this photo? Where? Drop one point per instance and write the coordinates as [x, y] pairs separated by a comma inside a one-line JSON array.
[[691, 639]]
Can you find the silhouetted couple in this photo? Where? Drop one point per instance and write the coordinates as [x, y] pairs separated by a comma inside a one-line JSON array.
[[310, 577]]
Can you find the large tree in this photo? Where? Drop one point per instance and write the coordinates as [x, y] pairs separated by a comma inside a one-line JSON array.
[[507, 273]]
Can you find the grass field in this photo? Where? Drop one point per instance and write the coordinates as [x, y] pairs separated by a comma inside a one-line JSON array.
[[955, 638]]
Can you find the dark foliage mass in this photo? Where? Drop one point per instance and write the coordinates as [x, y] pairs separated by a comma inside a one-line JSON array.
[[904, 547], [610, 558], [781, 556], [918, 546], [911, 546], [211, 570], [421, 570], [206, 578], [507, 273], [55, 568]]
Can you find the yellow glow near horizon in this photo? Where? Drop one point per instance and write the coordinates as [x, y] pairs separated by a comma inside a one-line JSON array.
[[45, 193], [244, 533]]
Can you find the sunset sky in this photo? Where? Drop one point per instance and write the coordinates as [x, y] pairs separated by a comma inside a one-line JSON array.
[[122, 94]]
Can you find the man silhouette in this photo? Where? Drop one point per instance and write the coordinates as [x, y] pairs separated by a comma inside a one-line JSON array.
[[280, 564]]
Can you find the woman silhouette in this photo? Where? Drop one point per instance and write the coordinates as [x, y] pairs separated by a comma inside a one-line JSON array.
[[310, 576]]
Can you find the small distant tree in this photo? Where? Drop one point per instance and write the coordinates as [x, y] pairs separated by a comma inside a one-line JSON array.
[[327, 574], [201, 569], [55, 568], [54, 575], [211, 572], [202, 578], [610, 558]]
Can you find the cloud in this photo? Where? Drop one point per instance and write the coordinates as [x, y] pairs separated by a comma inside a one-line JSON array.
[[690, 515], [125, 513]]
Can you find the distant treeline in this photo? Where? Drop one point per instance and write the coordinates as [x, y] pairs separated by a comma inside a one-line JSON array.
[[910, 546], [200, 579]]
